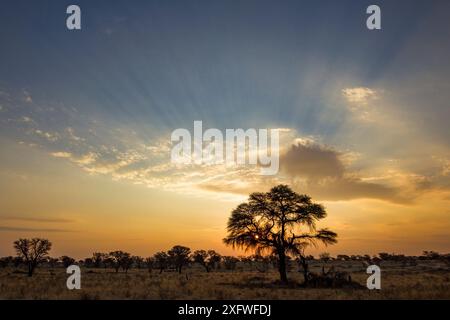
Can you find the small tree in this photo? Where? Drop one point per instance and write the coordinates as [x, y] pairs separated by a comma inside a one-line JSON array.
[[262, 263], [67, 261], [6, 261], [384, 256], [214, 259], [208, 259], [161, 260], [230, 262], [342, 257], [98, 258], [150, 263], [431, 255], [179, 256], [200, 256], [120, 259], [32, 251], [126, 262], [138, 261], [88, 262], [325, 257]]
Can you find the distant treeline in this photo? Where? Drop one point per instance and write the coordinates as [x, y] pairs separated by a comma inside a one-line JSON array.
[[179, 257]]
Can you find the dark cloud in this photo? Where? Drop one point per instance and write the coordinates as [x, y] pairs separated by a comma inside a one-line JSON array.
[[346, 188], [312, 161], [327, 178]]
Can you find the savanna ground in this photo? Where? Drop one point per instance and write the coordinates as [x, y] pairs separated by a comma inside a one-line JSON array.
[[426, 280]]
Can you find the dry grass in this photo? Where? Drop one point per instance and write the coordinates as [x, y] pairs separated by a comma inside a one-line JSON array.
[[398, 282]]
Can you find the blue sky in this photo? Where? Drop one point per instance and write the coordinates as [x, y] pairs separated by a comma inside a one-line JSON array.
[[233, 63]]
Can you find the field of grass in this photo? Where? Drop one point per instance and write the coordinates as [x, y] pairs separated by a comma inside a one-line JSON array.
[[423, 281]]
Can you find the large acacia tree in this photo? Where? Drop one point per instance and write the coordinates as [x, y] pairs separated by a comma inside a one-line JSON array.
[[279, 221]]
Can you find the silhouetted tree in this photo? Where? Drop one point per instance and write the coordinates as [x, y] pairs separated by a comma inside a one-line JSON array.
[[208, 259], [138, 261], [98, 258], [214, 259], [6, 261], [262, 263], [272, 222], [230, 262], [67, 261], [88, 263], [32, 251], [246, 260], [126, 262], [52, 262], [384, 256], [200, 256], [150, 263], [179, 256], [161, 260], [120, 259], [325, 257], [17, 261], [431, 255]]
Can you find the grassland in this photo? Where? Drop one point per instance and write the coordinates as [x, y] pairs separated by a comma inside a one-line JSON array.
[[427, 280]]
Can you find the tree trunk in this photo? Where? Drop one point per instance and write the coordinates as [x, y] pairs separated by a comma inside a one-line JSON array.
[[282, 266], [305, 268], [30, 270]]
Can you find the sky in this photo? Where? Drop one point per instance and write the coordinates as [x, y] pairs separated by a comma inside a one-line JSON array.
[[86, 118]]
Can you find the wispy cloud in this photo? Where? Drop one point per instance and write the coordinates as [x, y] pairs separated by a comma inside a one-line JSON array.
[[36, 219], [359, 95], [27, 97], [360, 101], [50, 136], [24, 229]]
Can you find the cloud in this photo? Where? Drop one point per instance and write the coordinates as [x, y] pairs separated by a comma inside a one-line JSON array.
[[71, 132], [27, 97], [52, 137], [26, 119], [23, 229], [323, 174], [359, 102], [305, 163], [349, 188], [35, 219], [61, 154], [82, 160], [312, 161], [359, 95]]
